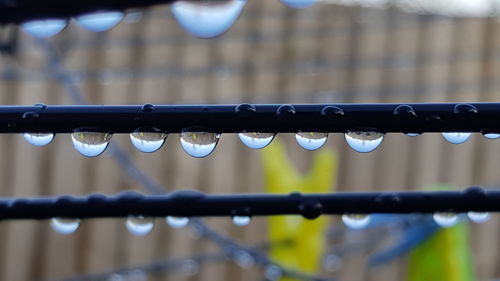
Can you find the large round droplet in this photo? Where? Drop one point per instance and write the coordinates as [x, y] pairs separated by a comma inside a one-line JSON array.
[[310, 140], [38, 139], [139, 225], [207, 19], [479, 217], [177, 222], [90, 144], [491, 136], [44, 28], [298, 3], [64, 226], [100, 21], [364, 141], [445, 219], [244, 259], [241, 220], [199, 144], [148, 142], [356, 221], [256, 140], [456, 137]]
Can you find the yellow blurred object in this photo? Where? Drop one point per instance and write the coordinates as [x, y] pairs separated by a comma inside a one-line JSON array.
[[305, 238]]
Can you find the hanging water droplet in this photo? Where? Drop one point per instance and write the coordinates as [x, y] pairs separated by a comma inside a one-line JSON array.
[[479, 217], [139, 225], [148, 142], [298, 3], [272, 272], [44, 28], [199, 144], [256, 140], [100, 21], [38, 139], [177, 222], [244, 259], [207, 19], [413, 134], [332, 263], [242, 220], [90, 144], [456, 137], [492, 136], [364, 141], [64, 226], [356, 221], [445, 219], [310, 140]]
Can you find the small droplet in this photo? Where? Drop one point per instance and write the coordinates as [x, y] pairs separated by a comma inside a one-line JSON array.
[[298, 3], [456, 137], [100, 21], [206, 19], [256, 140], [38, 139], [139, 225], [413, 134], [332, 263], [177, 222], [492, 136], [148, 142], [272, 272], [64, 226], [199, 144], [44, 28], [137, 275], [244, 259], [241, 220], [189, 267], [310, 140], [445, 219], [116, 277], [90, 144], [364, 141], [356, 221], [479, 217]]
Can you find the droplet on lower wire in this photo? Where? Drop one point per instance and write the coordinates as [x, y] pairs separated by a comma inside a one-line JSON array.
[[44, 28], [64, 226], [479, 217], [456, 137], [364, 142], [272, 272], [256, 140], [242, 220], [148, 142], [311, 140], [298, 3], [244, 259], [445, 219], [206, 19], [38, 139], [100, 21], [356, 221], [492, 136], [332, 263], [189, 267], [139, 225], [90, 144], [177, 222], [199, 144]]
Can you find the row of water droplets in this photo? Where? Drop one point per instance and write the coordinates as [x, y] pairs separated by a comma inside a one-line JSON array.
[[201, 144], [204, 19]]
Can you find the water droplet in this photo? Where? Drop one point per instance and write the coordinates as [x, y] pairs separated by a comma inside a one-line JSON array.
[[64, 226], [90, 144], [310, 140], [332, 263], [492, 136], [139, 225], [189, 267], [137, 275], [241, 220], [356, 221], [364, 141], [244, 259], [38, 139], [298, 3], [256, 140], [207, 19], [116, 277], [100, 21], [44, 28], [479, 217], [456, 137], [199, 144], [177, 222], [445, 219], [148, 142], [413, 134], [272, 272]]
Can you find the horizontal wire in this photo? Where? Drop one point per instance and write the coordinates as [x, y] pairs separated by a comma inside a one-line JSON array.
[[196, 204]]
